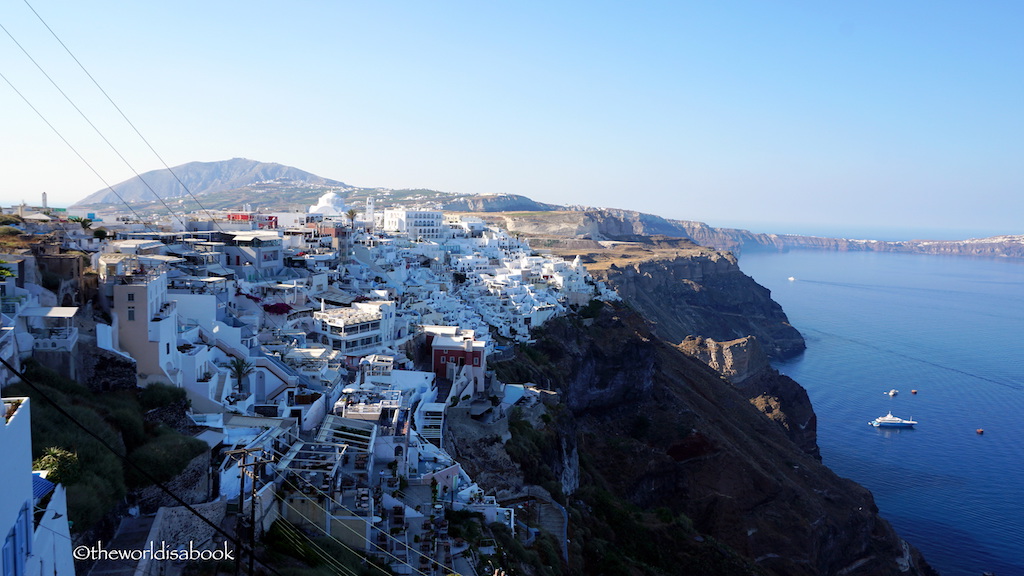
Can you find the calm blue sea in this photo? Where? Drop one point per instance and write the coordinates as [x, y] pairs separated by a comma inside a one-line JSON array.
[[953, 329]]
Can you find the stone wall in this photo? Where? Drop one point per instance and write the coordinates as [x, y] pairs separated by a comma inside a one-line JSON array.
[[177, 526], [102, 370], [192, 486], [174, 416]]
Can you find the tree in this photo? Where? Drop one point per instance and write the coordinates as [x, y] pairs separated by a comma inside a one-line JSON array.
[[100, 233], [85, 223], [351, 217], [240, 368]]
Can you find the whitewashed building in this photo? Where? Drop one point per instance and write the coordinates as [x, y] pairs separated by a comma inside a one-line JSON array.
[[30, 548]]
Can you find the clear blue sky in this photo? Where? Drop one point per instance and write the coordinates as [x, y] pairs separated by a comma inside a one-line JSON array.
[[776, 116]]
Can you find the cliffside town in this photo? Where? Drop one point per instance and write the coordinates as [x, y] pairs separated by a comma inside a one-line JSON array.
[[443, 396]]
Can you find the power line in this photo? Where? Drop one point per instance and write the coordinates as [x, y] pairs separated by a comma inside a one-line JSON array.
[[88, 121], [123, 115], [238, 544], [353, 530], [352, 512], [73, 149], [260, 273], [145, 474], [278, 453], [289, 532], [332, 537], [170, 210], [96, 83]]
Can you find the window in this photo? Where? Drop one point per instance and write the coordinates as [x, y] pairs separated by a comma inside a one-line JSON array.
[[131, 314], [476, 361], [168, 344], [131, 296]]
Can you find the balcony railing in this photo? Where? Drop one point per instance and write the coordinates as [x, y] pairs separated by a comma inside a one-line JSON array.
[[54, 338], [12, 305], [165, 311]]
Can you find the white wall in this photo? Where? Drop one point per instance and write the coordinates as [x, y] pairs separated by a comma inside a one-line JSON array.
[[52, 545], [16, 472], [202, 308]]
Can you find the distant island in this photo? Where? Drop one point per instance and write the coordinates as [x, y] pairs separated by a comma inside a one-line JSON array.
[[275, 187]]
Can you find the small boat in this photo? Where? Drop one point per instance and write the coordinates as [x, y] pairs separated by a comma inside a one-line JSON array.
[[913, 391], [892, 392], [980, 430], [890, 421], [792, 279]]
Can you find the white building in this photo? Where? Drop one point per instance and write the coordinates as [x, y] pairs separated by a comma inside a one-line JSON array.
[[30, 547], [416, 224], [364, 328]]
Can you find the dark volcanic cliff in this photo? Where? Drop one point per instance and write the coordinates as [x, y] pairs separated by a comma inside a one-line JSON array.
[[687, 290], [705, 295], [676, 472], [696, 457], [744, 364]]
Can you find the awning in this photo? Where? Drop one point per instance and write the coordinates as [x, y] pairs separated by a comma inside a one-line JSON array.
[[218, 270], [54, 312]]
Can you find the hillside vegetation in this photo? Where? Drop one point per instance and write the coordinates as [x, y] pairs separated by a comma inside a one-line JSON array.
[[97, 479]]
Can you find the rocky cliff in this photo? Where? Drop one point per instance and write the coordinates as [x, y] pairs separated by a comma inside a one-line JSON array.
[[677, 472], [705, 295], [685, 289], [745, 366]]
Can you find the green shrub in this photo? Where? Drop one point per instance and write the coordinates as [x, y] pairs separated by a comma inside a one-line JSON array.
[[162, 458], [62, 465], [592, 309], [131, 425], [118, 421], [9, 231], [89, 500], [159, 395]]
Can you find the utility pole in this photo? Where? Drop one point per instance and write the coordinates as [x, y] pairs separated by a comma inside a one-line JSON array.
[[243, 471]]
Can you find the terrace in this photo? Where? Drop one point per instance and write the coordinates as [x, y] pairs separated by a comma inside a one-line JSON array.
[[52, 328]]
